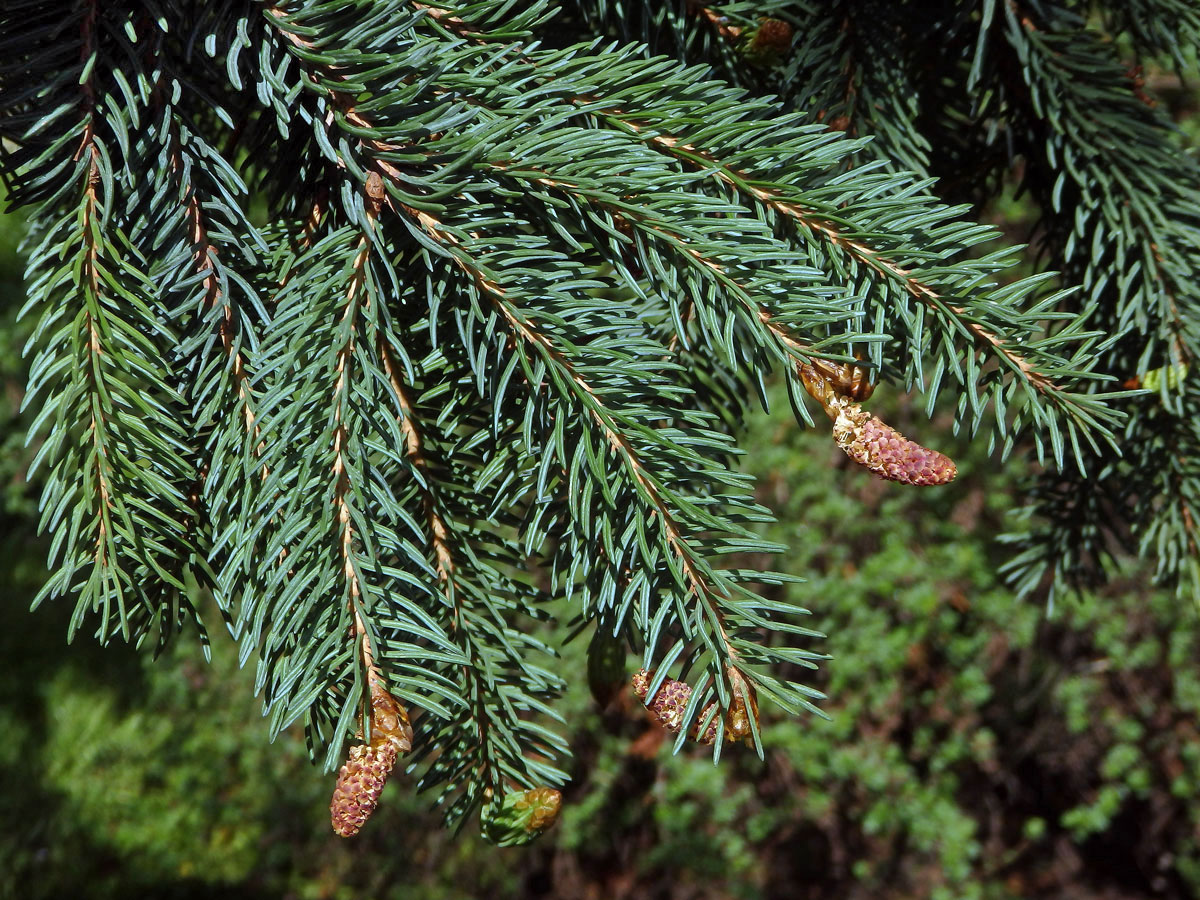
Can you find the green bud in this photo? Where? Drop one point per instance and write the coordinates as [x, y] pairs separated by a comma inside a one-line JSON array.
[[520, 816], [767, 42], [1174, 376]]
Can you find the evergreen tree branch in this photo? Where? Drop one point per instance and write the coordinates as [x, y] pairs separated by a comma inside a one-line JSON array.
[[645, 485], [125, 532], [822, 224], [590, 404], [1128, 150], [486, 734], [1159, 27], [1117, 195], [483, 761], [328, 523], [503, 303], [989, 335], [379, 153]]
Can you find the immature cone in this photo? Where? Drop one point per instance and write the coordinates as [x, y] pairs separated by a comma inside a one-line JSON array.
[[668, 706], [520, 816], [865, 438], [361, 779], [874, 444], [359, 785], [773, 36]]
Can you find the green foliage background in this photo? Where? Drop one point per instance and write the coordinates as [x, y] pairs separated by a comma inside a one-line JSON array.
[[975, 747]]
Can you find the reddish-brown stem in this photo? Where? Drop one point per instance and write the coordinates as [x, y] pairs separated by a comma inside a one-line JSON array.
[[813, 221], [89, 275]]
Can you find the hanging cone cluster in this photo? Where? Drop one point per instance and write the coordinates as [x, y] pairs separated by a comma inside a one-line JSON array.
[[866, 438], [362, 778], [672, 698]]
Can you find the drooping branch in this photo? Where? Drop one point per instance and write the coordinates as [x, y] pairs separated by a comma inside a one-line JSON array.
[[807, 218], [812, 220], [440, 538], [788, 348], [341, 388], [644, 483], [89, 276]]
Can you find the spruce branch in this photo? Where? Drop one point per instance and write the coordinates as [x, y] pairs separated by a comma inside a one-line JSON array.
[[373, 197], [483, 761], [694, 574], [975, 326], [823, 225], [1125, 151], [125, 533], [486, 343], [591, 405], [1158, 27], [1116, 194], [495, 758], [206, 261], [342, 556]]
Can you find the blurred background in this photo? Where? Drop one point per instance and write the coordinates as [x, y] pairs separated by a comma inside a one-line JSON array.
[[977, 746]]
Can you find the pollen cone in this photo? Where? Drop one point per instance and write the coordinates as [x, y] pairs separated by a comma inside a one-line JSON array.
[[359, 785], [875, 445]]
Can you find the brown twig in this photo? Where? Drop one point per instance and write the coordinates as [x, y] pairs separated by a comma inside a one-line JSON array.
[[340, 434], [720, 24], [90, 276], [439, 538], [678, 544]]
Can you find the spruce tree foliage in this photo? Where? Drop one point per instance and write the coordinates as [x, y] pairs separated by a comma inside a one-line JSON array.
[[383, 322]]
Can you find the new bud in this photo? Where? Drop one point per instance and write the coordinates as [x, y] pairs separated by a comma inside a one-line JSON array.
[[520, 816]]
